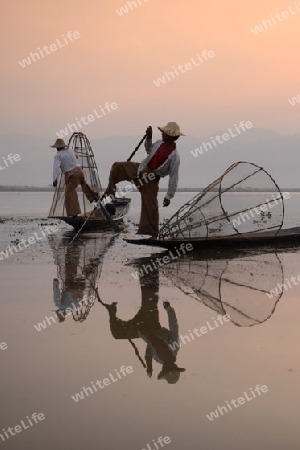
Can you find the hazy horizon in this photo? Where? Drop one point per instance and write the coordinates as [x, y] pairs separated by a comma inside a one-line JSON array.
[[114, 68]]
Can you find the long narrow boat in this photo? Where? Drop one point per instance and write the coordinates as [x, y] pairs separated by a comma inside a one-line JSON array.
[[288, 236], [81, 146], [97, 221], [217, 218]]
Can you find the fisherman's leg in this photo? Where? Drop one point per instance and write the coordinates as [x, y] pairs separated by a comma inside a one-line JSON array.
[[90, 194], [149, 219], [71, 197], [121, 171], [121, 329]]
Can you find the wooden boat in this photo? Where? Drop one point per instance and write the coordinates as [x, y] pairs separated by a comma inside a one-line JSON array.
[[81, 146], [214, 219], [97, 221], [287, 236]]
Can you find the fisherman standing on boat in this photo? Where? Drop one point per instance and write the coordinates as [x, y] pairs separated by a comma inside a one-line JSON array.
[[65, 160], [162, 160]]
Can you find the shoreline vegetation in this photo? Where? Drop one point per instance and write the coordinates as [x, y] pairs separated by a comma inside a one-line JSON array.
[[183, 189]]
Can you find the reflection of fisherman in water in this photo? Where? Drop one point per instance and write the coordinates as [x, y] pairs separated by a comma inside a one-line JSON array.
[[78, 266], [145, 325], [66, 303], [74, 286]]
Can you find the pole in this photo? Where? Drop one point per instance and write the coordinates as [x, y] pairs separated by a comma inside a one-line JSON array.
[[110, 221], [136, 148]]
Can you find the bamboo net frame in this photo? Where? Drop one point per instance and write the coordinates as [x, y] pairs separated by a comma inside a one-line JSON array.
[[82, 149], [214, 212]]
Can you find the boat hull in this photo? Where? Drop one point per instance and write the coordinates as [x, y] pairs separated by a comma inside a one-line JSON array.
[[289, 236], [98, 222]]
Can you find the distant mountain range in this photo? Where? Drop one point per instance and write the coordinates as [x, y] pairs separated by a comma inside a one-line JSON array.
[[277, 154]]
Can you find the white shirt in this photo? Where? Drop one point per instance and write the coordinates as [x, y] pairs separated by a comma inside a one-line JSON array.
[[169, 167], [64, 160]]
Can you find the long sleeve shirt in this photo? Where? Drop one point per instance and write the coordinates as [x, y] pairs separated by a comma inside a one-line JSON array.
[[169, 167], [64, 160]]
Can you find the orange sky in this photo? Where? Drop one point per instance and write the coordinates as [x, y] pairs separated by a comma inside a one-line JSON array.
[[117, 58]]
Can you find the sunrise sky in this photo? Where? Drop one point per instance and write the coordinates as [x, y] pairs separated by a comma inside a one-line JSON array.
[[117, 58]]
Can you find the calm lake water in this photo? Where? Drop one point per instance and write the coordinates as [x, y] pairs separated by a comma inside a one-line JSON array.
[[108, 376]]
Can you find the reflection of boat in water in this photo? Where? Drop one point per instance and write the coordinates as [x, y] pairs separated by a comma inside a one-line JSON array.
[[78, 270], [81, 146], [237, 285]]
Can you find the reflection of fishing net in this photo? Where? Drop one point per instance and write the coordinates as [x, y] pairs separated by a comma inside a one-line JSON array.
[[81, 146], [78, 270], [238, 287], [245, 199], [81, 313]]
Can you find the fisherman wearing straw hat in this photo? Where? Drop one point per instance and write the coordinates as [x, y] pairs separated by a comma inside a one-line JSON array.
[[65, 160], [162, 159]]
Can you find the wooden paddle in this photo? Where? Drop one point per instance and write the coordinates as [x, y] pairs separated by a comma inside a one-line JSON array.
[[136, 148]]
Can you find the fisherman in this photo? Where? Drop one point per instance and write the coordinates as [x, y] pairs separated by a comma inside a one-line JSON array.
[[162, 159], [65, 160]]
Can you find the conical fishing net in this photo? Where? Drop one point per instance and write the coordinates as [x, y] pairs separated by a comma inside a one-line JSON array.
[[243, 287], [245, 199], [81, 146]]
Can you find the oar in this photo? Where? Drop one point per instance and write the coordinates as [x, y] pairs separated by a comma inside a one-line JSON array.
[[110, 221], [136, 148], [131, 156]]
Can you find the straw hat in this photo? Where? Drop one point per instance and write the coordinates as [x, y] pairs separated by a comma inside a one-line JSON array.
[[171, 129], [172, 375], [59, 143]]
